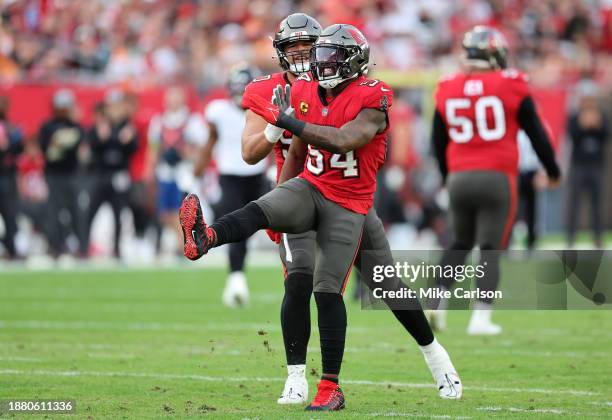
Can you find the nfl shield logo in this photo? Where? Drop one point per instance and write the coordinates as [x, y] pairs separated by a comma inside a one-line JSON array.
[[324, 112]]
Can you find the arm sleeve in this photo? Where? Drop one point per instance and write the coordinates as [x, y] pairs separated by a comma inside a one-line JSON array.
[[379, 96], [246, 96], [439, 140], [530, 122]]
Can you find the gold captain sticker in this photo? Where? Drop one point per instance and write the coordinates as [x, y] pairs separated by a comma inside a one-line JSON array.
[[303, 107]]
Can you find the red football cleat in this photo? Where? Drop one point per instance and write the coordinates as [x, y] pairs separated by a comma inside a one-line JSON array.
[[329, 397], [197, 237]]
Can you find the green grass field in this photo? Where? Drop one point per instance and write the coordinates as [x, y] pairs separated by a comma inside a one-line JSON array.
[[149, 344]]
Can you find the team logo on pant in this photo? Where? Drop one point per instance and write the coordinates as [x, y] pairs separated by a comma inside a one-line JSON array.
[[303, 108]]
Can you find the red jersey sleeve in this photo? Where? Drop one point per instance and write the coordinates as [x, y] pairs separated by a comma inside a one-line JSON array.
[[439, 93], [518, 84], [261, 86], [376, 94]]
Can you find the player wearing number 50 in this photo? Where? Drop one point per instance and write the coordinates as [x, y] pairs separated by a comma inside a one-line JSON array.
[[477, 118]]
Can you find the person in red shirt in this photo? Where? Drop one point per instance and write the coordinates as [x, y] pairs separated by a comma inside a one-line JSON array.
[[31, 185], [342, 117], [478, 115], [139, 197]]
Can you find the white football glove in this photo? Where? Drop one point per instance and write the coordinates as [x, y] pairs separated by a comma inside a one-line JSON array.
[[281, 98]]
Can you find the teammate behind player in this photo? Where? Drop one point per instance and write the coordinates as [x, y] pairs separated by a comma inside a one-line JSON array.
[[295, 36], [332, 196], [477, 118], [240, 183]]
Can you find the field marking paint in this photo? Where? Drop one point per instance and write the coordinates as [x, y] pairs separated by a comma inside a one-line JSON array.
[[76, 373], [133, 326], [18, 359], [416, 415], [150, 326], [526, 410], [603, 403]]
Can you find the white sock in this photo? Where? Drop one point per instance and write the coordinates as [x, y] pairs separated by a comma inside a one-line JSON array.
[[296, 370], [437, 359], [481, 312]]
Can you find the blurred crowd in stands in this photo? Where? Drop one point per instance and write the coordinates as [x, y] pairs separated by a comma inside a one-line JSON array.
[[147, 42], [59, 175]]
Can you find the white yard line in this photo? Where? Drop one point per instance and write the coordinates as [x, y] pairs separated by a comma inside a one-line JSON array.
[[130, 326], [154, 326], [76, 373], [526, 410], [18, 359], [416, 415]]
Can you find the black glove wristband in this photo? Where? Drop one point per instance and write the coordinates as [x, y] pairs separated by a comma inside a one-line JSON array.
[[292, 124]]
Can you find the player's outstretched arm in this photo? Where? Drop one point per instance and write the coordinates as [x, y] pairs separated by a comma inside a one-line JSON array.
[[350, 136], [255, 145], [294, 163]]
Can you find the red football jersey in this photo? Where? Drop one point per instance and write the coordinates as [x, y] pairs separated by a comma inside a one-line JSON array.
[[480, 110], [347, 179], [264, 86]]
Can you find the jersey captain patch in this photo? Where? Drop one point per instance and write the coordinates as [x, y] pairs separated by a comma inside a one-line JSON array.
[[303, 107]]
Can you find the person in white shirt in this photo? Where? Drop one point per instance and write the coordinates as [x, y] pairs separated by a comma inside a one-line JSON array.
[[175, 136], [240, 182]]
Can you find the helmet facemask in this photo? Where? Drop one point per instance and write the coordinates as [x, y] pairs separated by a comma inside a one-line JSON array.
[[331, 65], [296, 61]]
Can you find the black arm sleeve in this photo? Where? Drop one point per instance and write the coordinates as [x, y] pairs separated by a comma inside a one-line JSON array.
[[439, 140], [530, 122]]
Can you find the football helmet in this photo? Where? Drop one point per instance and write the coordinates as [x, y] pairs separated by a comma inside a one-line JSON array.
[[341, 53], [239, 77], [485, 47], [294, 28]]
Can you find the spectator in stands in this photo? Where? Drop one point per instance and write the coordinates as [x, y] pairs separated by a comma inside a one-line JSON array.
[[10, 147], [60, 139], [175, 137], [141, 190], [112, 141], [588, 131], [32, 187]]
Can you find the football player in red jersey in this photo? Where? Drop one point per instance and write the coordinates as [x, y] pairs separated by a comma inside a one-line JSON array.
[[477, 118], [293, 41], [346, 130]]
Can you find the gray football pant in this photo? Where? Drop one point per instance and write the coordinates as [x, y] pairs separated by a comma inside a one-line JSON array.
[[482, 212], [297, 251], [482, 208], [297, 207]]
